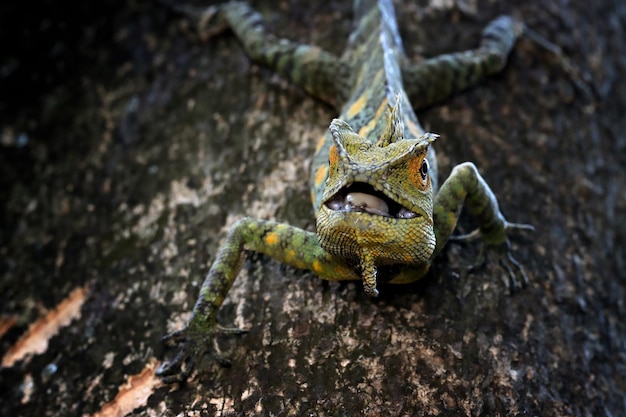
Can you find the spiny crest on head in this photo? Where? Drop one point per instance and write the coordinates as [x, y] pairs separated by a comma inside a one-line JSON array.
[[395, 127], [347, 141], [350, 147]]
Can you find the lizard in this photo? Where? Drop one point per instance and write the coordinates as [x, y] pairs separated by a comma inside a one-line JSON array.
[[381, 215]]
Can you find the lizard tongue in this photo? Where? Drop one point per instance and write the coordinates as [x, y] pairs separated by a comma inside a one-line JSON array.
[[366, 202]]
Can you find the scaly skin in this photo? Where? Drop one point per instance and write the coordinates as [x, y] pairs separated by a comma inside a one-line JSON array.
[[380, 214]]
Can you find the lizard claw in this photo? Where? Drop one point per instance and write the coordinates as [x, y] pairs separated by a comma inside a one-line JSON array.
[[193, 341], [476, 233], [515, 276], [179, 368]]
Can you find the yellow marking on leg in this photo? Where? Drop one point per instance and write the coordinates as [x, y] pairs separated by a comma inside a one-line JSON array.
[[357, 106], [317, 267], [271, 238]]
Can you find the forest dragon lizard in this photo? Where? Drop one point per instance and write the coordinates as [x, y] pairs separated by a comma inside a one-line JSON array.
[[381, 216]]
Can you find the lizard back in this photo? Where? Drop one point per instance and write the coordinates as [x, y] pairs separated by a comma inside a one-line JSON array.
[[373, 56]]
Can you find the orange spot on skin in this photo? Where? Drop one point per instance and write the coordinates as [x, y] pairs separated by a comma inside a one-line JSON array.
[[317, 267], [271, 238], [414, 174], [320, 175], [357, 106], [333, 155]]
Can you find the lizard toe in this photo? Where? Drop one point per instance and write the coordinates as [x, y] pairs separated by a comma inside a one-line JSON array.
[[193, 344], [514, 276]]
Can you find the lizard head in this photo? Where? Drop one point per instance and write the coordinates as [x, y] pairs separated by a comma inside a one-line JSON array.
[[377, 205]]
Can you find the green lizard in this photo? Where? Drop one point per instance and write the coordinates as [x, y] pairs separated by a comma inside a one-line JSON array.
[[381, 216]]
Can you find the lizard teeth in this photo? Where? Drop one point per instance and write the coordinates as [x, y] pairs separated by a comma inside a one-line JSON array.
[[404, 213], [363, 198], [335, 204], [366, 202]]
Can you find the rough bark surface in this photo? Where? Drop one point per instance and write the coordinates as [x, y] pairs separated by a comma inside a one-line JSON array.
[[129, 146]]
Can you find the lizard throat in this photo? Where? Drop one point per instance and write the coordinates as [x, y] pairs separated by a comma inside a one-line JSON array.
[[363, 198]]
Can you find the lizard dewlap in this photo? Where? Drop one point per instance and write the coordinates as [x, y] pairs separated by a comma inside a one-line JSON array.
[[381, 215]]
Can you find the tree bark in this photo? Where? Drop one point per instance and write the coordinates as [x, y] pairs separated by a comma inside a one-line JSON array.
[[129, 147]]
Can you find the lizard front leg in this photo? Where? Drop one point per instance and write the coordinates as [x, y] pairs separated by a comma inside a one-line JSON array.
[[318, 72], [287, 244], [440, 77], [466, 186]]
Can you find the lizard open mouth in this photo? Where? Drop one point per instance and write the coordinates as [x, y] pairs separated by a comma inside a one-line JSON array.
[[363, 198]]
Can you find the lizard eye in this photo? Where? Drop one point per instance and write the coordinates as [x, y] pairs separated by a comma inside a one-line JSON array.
[[424, 169]]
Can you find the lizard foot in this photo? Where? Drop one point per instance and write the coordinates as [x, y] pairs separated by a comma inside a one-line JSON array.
[[206, 20], [193, 343], [515, 276]]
